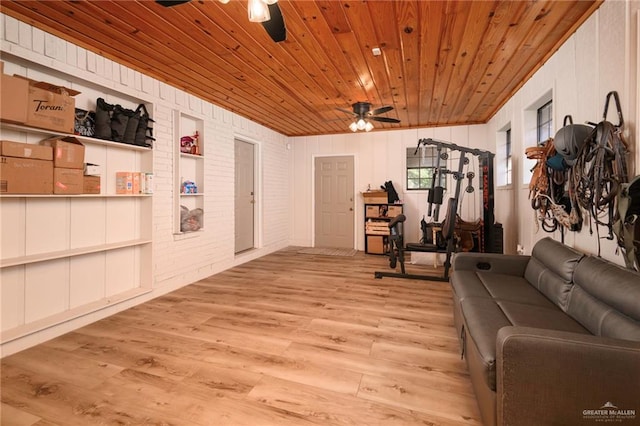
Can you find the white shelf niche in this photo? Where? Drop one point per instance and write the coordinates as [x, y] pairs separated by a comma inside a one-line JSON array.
[[189, 167]]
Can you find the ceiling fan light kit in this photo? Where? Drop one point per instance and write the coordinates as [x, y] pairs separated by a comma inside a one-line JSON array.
[[258, 11], [364, 115], [361, 124]]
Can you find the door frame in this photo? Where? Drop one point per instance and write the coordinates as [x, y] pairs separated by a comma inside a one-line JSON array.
[[257, 185], [357, 206]]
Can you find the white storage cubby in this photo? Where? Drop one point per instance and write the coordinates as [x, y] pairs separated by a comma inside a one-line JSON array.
[[65, 256], [188, 167]]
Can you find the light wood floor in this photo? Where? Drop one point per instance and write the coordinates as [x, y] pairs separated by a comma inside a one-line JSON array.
[[288, 339]]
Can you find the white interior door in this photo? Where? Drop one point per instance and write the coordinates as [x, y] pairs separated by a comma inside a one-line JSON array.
[[244, 195], [334, 202]]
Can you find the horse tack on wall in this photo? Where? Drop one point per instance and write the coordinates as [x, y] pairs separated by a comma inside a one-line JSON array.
[[580, 173]]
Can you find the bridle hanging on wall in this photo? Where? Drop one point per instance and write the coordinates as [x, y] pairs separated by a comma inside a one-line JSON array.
[[580, 173], [600, 169]]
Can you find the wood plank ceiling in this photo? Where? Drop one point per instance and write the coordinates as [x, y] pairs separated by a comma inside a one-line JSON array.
[[443, 62]]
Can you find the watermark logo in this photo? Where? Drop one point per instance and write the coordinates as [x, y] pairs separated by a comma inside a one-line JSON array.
[[609, 413]]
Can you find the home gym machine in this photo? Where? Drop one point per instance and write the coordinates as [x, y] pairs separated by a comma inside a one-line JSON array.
[[490, 240]]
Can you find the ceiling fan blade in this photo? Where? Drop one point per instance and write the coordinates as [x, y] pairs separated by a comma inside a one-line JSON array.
[[169, 3], [381, 110], [347, 111], [385, 119], [275, 26]]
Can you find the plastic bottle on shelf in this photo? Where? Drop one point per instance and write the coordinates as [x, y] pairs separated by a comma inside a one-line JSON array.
[[195, 148]]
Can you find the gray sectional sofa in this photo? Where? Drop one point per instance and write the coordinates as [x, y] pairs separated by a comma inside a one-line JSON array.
[[549, 339]]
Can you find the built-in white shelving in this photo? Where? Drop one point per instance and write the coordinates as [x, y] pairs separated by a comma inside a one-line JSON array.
[[23, 260], [75, 196], [66, 256], [70, 314], [83, 139]]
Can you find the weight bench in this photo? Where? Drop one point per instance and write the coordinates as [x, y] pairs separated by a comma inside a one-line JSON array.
[[397, 247]]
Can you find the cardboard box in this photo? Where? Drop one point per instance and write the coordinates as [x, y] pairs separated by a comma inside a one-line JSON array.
[[91, 184], [14, 92], [124, 183], [67, 181], [68, 152], [372, 211], [136, 187], [375, 197], [375, 245], [25, 150], [25, 176], [92, 169], [394, 211], [50, 107]]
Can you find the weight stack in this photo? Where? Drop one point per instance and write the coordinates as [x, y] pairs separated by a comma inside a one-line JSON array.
[[495, 240]]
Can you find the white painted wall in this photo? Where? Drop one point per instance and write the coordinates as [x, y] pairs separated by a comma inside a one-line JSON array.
[[600, 57], [380, 156]]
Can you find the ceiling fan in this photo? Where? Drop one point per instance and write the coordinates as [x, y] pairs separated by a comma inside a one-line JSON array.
[[266, 12], [363, 113]]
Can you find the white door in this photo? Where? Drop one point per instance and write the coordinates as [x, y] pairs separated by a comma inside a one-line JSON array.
[[244, 196], [334, 202]]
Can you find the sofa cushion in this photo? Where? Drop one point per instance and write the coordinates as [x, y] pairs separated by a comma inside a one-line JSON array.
[[514, 289], [549, 318], [468, 284], [551, 269], [483, 318], [606, 299]]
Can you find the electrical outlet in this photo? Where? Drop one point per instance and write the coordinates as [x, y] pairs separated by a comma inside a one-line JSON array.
[[520, 249]]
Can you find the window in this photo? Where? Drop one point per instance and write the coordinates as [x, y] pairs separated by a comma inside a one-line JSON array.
[[503, 160], [544, 122], [537, 128], [508, 157], [421, 166]]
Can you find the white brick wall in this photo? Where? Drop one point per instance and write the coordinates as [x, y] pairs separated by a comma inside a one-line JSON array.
[[33, 53]]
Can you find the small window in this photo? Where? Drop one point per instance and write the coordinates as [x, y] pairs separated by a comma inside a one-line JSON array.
[[537, 129], [508, 161], [545, 122], [421, 166]]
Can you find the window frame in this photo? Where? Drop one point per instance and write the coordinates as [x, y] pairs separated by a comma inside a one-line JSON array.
[[508, 158], [530, 134], [544, 122], [428, 167]]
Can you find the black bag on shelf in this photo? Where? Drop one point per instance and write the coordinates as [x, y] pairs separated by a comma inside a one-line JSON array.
[[392, 194], [103, 119], [144, 132], [119, 123]]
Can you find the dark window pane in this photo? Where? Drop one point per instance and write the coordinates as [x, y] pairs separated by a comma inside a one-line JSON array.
[[545, 122], [420, 167]]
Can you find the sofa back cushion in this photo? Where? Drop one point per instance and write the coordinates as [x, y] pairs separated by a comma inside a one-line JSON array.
[[606, 299], [551, 268]]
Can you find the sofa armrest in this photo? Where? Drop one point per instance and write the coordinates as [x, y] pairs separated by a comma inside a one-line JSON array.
[[491, 262], [557, 377]]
